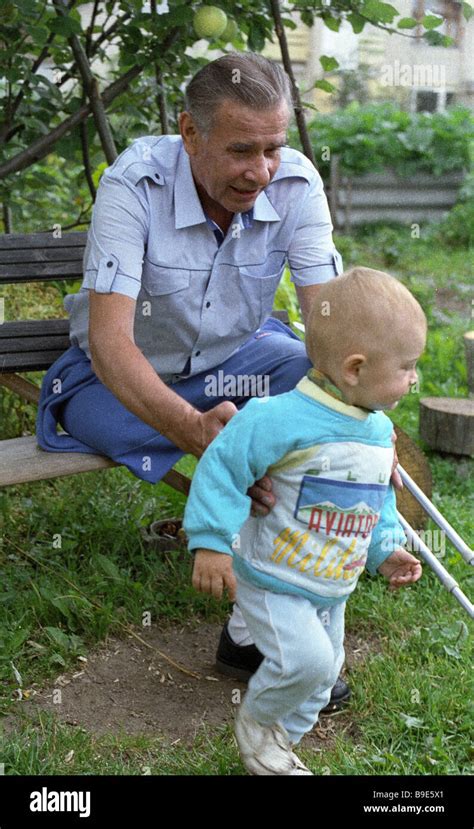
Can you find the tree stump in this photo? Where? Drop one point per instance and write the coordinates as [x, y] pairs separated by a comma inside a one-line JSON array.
[[447, 424], [469, 349], [415, 463]]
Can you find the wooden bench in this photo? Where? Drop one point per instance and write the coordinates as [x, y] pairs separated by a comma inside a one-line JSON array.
[[34, 345]]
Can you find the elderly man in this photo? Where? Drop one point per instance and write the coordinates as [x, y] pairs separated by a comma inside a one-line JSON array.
[[189, 239]]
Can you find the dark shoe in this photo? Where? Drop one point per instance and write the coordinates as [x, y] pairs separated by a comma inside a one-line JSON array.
[[340, 696], [237, 661], [241, 661]]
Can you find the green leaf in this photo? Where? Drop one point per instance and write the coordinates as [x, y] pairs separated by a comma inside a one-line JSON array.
[[431, 21], [328, 63], [437, 39], [325, 86], [17, 639], [56, 657], [38, 34], [290, 24], [332, 23], [307, 17], [108, 566], [357, 22], [58, 636], [407, 23], [64, 26], [379, 12], [467, 10]]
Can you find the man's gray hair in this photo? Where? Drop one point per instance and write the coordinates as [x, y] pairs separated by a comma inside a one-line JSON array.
[[242, 77]]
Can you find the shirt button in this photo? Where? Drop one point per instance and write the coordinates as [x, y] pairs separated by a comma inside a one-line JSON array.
[[208, 304], [197, 354], [110, 264], [157, 176]]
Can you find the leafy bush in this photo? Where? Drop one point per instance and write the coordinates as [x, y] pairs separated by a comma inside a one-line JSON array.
[[457, 228], [374, 136]]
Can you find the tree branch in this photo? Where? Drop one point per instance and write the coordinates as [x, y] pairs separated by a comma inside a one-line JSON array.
[[91, 89], [86, 158], [298, 106], [42, 146]]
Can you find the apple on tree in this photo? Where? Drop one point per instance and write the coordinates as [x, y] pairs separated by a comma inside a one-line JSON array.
[[209, 21], [231, 30]]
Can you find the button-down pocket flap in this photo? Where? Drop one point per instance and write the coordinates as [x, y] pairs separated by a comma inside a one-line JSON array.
[[271, 266], [159, 280], [106, 274]]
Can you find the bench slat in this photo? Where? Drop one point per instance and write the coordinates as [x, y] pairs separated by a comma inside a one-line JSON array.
[[19, 241], [62, 254], [22, 460], [28, 345], [30, 362], [33, 328], [40, 271]]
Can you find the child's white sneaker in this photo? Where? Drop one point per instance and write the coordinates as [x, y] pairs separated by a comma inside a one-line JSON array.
[[265, 749]]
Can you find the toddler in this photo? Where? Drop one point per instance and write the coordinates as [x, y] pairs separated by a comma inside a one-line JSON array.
[[327, 448]]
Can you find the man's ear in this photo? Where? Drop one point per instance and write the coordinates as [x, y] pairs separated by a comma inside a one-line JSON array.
[[189, 132], [351, 367]]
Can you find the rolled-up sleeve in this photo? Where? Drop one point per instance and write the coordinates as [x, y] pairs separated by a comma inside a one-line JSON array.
[[113, 258], [312, 256]]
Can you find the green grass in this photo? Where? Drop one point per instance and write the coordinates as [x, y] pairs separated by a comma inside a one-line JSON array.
[[61, 596]]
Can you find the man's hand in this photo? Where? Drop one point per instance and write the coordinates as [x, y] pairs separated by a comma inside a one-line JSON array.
[[213, 573], [263, 499], [401, 569], [197, 430]]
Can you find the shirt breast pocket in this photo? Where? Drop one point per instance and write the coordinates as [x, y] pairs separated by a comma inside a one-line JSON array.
[[258, 283], [162, 280]]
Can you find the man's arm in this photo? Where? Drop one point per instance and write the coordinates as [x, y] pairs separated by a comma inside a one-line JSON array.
[[306, 295], [122, 367]]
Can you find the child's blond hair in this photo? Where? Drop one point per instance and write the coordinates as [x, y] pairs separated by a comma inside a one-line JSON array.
[[362, 311]]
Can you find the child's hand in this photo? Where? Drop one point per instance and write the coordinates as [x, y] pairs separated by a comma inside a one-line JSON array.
[[401, 568], [213, 572]]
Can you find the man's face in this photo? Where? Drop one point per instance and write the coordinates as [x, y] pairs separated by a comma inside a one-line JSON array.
[[239, 157]]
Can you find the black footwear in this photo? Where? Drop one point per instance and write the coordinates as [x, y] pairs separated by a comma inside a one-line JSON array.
[[237, 661], [241, 661], [340, 696]]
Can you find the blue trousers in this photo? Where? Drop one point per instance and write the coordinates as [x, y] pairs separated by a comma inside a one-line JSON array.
[[97, 422], [303, 648]]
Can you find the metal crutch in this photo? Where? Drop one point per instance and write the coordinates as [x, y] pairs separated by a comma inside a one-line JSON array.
[[420, 547]]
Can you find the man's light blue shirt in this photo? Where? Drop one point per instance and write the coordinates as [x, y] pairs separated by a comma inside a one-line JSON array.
[[199, 294]]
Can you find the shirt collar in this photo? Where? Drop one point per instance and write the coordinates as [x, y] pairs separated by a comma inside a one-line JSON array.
[[188, 209], [310, 388], [187, 204]]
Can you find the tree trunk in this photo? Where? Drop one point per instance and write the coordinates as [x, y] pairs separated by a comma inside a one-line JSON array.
[[447, 424], [298, 106], [469, 348]]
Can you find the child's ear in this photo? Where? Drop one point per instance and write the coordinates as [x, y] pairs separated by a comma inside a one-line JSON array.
[[351, 368]]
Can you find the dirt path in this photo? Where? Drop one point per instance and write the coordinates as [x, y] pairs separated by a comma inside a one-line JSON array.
[[124, 687]]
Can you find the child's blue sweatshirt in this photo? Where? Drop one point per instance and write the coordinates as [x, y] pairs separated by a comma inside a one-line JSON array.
[[335, 511]]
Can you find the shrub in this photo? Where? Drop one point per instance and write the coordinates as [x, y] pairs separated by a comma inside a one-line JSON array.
[[374, 136]]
